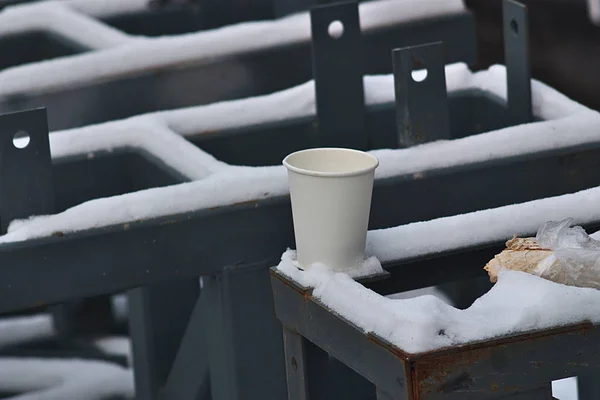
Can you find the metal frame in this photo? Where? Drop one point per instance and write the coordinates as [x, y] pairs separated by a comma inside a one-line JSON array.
[[170, 249], [515, 367], [197, 82]]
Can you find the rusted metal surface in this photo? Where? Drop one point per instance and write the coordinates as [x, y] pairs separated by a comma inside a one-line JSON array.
[[505, 365], [514, 366]]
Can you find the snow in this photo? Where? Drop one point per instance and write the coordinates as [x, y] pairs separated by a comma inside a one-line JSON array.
[[428, 291], [105, 8], [370, 266], [481, 227], [117, 345], [518, 302], [62, 21], [120, 307], [220, 184], [139, 53], [299, 101], [25, 329], [594, 11], [47, 379], [565, 389], [147, 134]]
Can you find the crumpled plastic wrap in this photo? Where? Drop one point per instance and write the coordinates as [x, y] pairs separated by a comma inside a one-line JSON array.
[[559, 252]]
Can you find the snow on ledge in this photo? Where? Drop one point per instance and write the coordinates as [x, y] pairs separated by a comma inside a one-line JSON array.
[[481, 227], [518, 302], [570, 124], [147, 134], [64, 379], [63, 21], [105, 8], [24, 329], [167, 51]]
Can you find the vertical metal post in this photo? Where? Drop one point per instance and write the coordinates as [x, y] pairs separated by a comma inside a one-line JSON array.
[[295, 365], [158, 318], [337, 69], [189, 376], [588, 387], [517, 60], [142, 345], [421, 99], [241, 326], [26, 186]]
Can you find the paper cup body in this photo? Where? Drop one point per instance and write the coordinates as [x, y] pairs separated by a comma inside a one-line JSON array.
[[331, 190]]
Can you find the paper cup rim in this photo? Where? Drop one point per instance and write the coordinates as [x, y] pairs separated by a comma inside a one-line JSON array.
[[359, 171]]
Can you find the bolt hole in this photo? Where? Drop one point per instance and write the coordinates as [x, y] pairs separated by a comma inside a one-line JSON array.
[[336, 29], [419, 75], [514, 27], [21, 140]]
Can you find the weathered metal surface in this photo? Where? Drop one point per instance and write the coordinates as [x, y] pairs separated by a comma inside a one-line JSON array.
[[506, 365], [519, 366], [420, 89], [297, 387], [298, 312]]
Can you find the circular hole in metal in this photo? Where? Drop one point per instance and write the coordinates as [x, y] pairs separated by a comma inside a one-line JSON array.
[[419, 75], [514, 27], [336, 29], [21, 140]]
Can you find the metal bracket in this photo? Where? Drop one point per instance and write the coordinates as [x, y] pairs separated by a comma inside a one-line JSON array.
[[26, 186], [517, 61], [337, 69], [421, 99]]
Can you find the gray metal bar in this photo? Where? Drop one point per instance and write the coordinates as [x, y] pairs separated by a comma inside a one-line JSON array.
[[189, 377], [117, 257], [223, 379], [295, 365], [164, 309], [517, 61], [237, 299], [421, 99], [142, 342], [338, 68], [588, 387]]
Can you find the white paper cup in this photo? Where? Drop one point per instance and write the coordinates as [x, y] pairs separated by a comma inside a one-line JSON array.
[[330, 190]]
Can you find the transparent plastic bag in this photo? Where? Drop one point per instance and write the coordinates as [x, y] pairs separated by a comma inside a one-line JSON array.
[[575, 258], [559, 253]]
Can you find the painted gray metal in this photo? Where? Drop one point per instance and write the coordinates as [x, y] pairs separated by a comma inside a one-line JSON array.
[[235, 76]]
